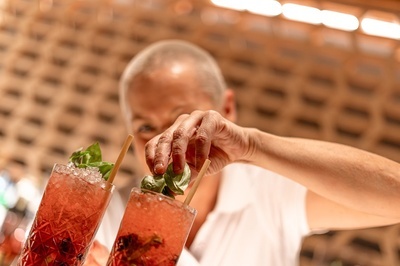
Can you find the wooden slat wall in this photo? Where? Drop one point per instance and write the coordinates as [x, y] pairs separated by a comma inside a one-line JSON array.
[[60, 62]]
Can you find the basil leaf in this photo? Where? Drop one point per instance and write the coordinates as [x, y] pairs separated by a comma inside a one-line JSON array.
[[104, 168], [95, 153], [177, 183], [167, 192], [92, 157], [169, 184], [153, 183], [79, 158]]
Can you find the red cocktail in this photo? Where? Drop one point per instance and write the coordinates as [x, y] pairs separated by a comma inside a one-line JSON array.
[[68, 217], [153, 231]]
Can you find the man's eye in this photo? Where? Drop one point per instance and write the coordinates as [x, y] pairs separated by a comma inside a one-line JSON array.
[[146, 129], [145, 132]]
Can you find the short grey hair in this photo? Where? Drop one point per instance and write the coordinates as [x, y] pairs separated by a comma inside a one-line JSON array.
[[165, 53]]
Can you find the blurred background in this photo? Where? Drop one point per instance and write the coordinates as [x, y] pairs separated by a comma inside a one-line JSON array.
[[323, 69]]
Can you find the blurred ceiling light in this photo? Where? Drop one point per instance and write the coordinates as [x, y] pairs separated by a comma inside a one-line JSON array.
[[268, 8], [231, 4], [261, 7], [302, 13], [312, 15], [338, 20], [381, 28]]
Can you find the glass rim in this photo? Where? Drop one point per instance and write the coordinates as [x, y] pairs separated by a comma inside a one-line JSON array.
[[175, 201], [104, 184]]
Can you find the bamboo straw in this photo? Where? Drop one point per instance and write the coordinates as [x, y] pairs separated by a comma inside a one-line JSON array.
[[121, 156], [203, 170]]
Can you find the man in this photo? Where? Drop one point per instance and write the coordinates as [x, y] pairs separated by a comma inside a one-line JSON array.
[[176, 104]]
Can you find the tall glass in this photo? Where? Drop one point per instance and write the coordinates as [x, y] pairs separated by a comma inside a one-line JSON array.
[[70, 212], [153, 230]]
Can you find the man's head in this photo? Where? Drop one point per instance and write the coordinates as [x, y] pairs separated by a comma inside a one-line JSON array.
[[165, 80]]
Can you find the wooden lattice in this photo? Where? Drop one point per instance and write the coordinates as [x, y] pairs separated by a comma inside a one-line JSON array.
[[60, 62]]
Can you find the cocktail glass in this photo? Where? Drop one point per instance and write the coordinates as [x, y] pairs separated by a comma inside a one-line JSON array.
[[153, 230], [70, 212]]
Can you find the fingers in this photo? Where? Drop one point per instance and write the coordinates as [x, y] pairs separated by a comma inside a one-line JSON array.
[[158, 149], [203, 142], [181, 138], [173, 144], [156, 161]]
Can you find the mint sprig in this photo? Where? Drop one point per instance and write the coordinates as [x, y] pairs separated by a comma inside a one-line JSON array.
[[169, 183], [91, 157]]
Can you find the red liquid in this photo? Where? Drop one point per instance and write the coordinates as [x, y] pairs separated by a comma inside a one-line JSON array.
[[65, 224], [153, 231]]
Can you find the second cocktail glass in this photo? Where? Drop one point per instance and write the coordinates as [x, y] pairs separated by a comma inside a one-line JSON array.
[[153, 230]]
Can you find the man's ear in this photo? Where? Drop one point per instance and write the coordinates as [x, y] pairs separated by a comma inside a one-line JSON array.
[[229, 107]]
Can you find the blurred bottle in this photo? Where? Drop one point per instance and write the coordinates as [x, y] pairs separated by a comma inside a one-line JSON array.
[[19, 199], [12, 232]]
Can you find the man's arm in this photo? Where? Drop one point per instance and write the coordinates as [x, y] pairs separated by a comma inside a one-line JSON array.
[[349, 187]]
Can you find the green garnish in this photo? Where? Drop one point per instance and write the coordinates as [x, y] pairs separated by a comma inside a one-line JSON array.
[[169, 183], [91, 157], [153, 183]]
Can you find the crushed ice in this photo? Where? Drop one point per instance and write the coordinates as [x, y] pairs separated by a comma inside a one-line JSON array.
[[90, 174]]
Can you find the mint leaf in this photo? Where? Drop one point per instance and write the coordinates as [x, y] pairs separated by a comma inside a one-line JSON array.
[[169, 183], [91, 157]]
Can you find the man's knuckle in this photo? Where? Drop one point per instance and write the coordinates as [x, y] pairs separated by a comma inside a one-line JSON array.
[[165, 137], [176, 150], [182, 117], [179, 133], [201, 137]]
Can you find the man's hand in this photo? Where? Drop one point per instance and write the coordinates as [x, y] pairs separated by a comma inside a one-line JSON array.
[[194, 138]]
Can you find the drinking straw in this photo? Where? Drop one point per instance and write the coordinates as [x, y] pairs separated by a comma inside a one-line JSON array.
[[121, 156], [203, 170]]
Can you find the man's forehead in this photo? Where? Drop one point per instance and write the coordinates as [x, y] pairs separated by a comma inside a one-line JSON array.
[[177, 69]]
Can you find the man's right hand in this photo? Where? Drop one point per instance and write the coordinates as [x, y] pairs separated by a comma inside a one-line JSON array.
[[194, 138]]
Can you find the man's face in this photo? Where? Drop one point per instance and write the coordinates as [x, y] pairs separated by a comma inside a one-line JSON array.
[[156, 100]]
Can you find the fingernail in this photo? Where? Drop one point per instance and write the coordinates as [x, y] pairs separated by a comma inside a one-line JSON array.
[[158, 168], [177, 170]]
